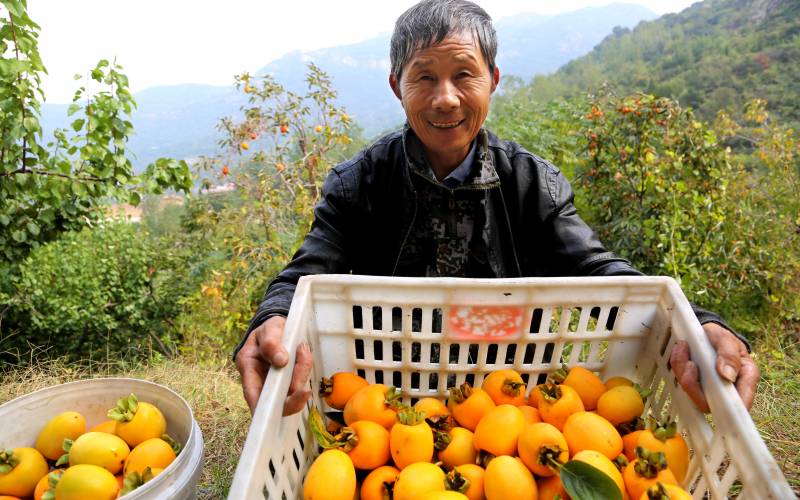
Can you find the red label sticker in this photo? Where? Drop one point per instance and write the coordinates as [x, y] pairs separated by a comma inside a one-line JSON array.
[[485, 322]]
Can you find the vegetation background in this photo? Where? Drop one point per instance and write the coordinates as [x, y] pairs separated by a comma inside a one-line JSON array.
[[679, 138]]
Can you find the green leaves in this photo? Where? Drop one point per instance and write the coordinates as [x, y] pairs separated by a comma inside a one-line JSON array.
[[11, 67], [78, 169], [19, 236], [30, 123], [585, 482], [15, 7]]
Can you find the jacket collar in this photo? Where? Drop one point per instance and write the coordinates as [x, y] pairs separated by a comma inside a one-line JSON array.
[[483, 173]]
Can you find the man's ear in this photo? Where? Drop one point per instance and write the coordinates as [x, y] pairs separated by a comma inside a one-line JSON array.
[[495, 78], [395, 86]]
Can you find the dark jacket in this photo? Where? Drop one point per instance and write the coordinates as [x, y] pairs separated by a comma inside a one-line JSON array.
[[368, 208]]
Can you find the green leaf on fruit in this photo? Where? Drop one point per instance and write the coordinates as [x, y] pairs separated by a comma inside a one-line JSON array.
[[585, 482]]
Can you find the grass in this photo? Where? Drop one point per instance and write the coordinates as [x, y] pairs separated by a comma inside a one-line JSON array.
[[777, 403], [213, 391]]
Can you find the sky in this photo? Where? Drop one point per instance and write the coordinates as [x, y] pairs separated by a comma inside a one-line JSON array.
[[167, 42]]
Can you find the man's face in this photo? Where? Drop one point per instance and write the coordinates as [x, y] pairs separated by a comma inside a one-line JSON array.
[[445, 90]]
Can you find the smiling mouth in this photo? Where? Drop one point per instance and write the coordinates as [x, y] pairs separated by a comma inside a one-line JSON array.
[[446, 125]]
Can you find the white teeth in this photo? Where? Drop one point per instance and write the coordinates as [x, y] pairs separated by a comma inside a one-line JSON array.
[[446, 125]]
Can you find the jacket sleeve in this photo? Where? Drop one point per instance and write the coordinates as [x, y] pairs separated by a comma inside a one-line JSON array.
[[579, 252], [323, 251]]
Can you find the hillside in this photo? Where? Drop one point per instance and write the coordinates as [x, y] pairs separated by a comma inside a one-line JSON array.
[[715, 54], [179, 121]]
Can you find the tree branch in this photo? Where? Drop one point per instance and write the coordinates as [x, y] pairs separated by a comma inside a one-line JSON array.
[[19, 79], [53, 174]]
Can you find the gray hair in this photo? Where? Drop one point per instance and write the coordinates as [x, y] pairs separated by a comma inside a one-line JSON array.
[[431, 21]]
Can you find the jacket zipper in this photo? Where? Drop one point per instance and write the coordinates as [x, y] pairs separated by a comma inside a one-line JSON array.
[[510, 234], [405, 238]]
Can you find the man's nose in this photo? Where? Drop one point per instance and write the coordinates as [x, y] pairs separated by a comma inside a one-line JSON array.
[[445, 97]]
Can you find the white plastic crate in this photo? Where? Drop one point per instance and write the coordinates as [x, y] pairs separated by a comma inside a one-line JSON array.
[[415, 334]]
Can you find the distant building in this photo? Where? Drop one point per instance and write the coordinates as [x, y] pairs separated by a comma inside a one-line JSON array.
[[170, 199], [222, 188], [127, 212]]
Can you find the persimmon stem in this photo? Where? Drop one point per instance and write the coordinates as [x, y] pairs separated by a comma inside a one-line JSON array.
[[548, 456]]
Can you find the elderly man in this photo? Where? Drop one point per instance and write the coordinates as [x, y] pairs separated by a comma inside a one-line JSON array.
[[445, 197]]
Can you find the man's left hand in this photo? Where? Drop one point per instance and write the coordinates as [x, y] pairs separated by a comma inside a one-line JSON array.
[[733, 363]]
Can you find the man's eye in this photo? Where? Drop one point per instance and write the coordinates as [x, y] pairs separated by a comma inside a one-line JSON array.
[[463, 74], [425, 78]]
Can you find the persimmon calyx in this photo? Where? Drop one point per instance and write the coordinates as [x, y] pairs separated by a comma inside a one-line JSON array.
[[346, 439], [8, 461], [409, 416], [388, 490], [664, 430], [52, 481], [644, 393], [460, 394], [441, 440], [620, 462], [512, 387], [393, 398], [649, 463], [483, 458], [558, 376], [133, 480], [548, 456], [325, 387], [657, 492], [456, 481], [550, 392], [125, 410], [66, 445], [439, 422], [176, 446], [637, 424]]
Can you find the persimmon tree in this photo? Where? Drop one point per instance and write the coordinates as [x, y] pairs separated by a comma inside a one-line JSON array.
[[259, 196]]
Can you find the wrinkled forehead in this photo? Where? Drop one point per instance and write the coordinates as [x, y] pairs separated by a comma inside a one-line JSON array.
[[462, 45], [465, 37]]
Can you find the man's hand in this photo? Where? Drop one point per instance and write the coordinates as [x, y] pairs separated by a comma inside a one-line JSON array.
[[263, 349], [733, 363]]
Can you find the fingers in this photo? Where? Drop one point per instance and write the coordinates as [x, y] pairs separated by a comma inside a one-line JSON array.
[[729, 351], [734, 362], [688, 375], [746, 385], [299, 390], [264, 348], [269, 336], [253, 371]]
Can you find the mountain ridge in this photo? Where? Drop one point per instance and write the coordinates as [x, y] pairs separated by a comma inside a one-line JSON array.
[[716, 54], [180, 121]]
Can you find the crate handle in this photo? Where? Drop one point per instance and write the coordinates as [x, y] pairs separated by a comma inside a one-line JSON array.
[[276, 384]]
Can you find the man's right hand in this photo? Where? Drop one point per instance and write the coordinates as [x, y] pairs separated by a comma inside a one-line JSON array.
[[262, 349]]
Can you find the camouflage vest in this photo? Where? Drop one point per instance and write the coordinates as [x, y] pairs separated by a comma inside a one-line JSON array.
[[448, 237]]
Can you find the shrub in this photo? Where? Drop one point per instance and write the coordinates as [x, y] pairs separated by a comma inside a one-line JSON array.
[[91, 293], [665, 190]]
